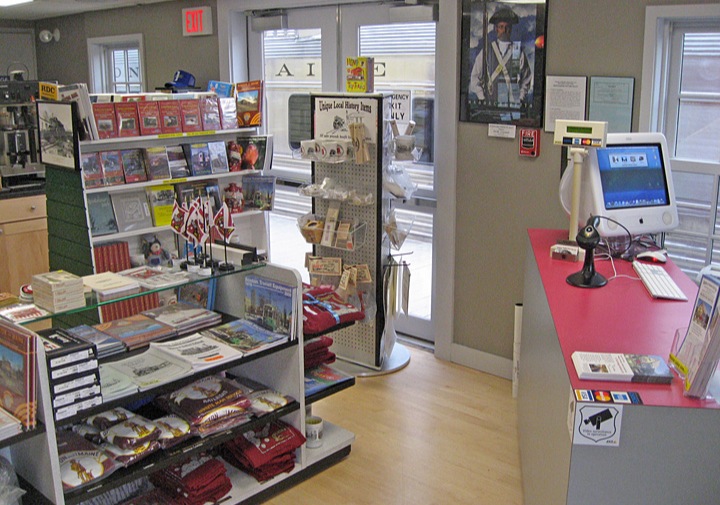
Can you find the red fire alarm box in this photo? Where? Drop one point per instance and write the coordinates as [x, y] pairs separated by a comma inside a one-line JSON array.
[[529, 142]]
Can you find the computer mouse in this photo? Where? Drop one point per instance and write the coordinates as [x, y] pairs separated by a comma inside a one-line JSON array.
[[652, 256]]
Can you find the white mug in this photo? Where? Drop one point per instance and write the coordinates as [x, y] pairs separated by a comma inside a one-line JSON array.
[[313, 432]]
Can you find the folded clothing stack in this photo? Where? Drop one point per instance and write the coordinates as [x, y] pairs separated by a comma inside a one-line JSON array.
[[195, 481], [323, 309], [317, 352], [265, 453]]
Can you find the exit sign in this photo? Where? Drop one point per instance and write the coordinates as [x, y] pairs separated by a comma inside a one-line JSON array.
[[197, 21]]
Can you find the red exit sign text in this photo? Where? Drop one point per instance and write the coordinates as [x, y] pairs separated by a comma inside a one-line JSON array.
[[197, 21]]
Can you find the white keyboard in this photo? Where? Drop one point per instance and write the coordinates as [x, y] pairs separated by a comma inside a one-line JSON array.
[[658, 282]]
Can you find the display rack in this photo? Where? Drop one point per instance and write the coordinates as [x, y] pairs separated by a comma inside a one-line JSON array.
[[35, 455], [360, 343]]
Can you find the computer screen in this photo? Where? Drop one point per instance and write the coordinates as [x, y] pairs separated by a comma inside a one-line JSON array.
[[629, 181]]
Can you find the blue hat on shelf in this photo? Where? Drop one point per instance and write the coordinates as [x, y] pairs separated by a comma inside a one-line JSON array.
[[181, 79]]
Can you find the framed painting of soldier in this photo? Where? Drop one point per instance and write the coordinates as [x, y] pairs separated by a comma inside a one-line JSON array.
[[503, 62]]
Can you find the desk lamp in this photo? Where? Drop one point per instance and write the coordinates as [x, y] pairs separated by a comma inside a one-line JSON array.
[[588, 238]]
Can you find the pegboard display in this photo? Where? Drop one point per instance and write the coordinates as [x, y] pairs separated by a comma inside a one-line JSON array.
[[333, 115]]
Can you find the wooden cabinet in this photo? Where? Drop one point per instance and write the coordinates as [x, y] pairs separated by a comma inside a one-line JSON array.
[[23, 241]]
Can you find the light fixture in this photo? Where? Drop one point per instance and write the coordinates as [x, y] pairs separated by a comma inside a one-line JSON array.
[[8, 3], [48, 36]]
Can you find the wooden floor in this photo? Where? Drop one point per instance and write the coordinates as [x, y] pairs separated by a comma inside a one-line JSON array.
[[432, 433]]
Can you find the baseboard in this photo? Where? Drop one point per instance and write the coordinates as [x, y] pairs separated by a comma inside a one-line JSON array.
[[482, 361]]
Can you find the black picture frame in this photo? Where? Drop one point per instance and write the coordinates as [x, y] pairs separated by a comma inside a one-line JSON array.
[[485, 96], [59, 134]]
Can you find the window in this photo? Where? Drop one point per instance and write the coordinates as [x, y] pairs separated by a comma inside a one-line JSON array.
[[116, 64], [685, 88]]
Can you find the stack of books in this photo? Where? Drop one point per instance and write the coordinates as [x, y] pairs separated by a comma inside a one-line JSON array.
[[105, 345], [109, 285], [136, 331], [9, 425], [185, 318], [58, 291], [73, 371]]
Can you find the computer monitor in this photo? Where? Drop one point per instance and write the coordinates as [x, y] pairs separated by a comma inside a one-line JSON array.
[[629, 181]]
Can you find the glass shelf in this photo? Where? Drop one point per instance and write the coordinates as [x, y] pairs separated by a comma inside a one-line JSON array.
[[91, 301]]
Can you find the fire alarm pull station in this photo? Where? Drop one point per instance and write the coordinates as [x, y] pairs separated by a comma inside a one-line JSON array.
[[529, 142]]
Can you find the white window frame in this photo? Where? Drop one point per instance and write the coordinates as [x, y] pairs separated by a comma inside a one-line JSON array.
[[659, 80], [99, 79]]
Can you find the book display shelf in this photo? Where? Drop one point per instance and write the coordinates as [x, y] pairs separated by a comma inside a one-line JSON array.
[[83, 216], [35, 454]]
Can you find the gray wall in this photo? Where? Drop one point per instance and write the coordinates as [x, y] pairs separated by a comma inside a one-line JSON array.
[[499, 194], [166, 50]]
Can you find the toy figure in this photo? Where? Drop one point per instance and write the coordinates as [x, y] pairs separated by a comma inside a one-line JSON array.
[[155, 255]]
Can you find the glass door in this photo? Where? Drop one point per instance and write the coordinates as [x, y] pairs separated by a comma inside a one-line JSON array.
[[309, 55]]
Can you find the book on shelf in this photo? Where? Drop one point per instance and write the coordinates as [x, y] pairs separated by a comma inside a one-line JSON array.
[[133, 164], [228, 113], [322, 377], [621, 367], [258, 191], [17, 387], [246, 336], [115, 384], [200, 294], [151, 368], [22, 312], [698, 352], [218, 157], [126, 117], [155, 278], [105, 344], [170, 116], [149, 116], [136, 331], [105, 119], [220, 88], [184, 317], [110, 285], [250, 153], [132, 211], [206, 190], [177, 160], [58, 291], [198, 350], [111, 257], [78, 93], [112, 168], [162, 200], [269, 304], [248, 99], [198, 156], [156, 163], [101, 214], [62, 349], [9, 425], [210, 113], [190, 113], [91, 165]]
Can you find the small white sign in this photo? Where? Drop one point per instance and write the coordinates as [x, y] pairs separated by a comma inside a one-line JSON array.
[[505, 131], [597, 424], [401, 106]]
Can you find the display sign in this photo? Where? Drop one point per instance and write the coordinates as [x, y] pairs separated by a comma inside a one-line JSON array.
[[197, 21]]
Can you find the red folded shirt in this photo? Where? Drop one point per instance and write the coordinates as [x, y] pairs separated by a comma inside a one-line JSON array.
[[323, 309]]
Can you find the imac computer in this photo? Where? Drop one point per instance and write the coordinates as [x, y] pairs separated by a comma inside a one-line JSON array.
[[629, 181]]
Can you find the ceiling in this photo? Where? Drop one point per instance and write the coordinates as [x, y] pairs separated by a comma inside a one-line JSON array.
[[42, 9]]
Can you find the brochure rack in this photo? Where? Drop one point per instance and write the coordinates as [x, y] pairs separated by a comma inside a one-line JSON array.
[[333, 116]]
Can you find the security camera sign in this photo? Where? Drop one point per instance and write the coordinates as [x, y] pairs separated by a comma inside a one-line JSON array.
[[597, 425]]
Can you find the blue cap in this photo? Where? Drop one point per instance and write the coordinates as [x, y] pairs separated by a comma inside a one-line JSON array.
[[181, 79]]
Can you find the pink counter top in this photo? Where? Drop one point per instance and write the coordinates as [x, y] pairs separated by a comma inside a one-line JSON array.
[[619, 317]]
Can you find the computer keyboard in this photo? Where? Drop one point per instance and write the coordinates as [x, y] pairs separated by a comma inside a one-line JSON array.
[[658, 282]]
